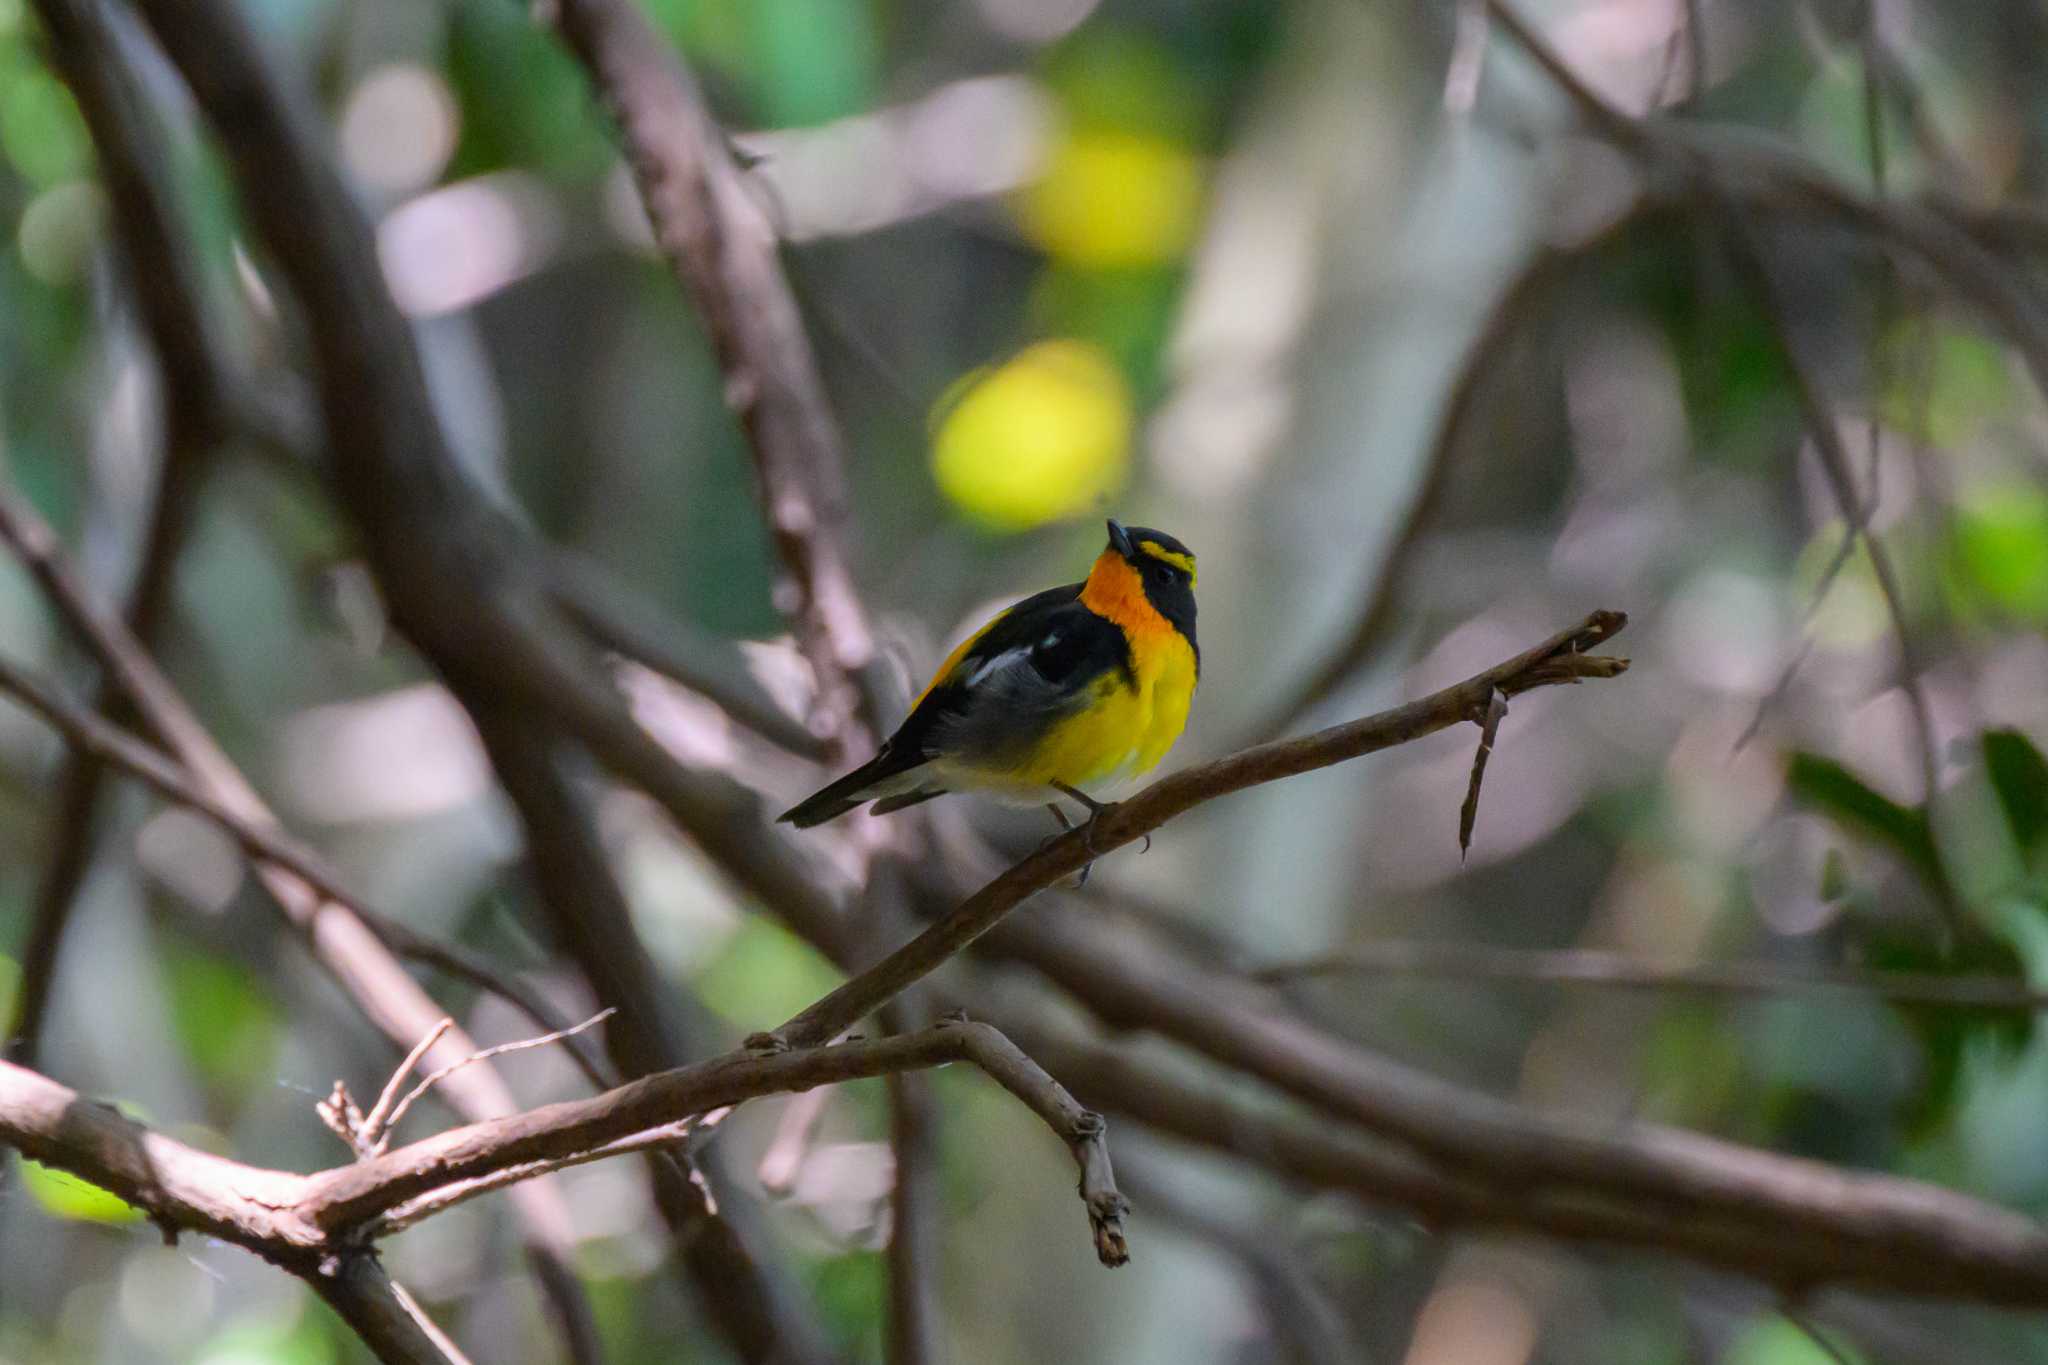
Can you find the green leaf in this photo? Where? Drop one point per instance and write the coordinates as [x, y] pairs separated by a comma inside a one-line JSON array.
[[1834, 877], [2019, 775], [2000, 537], [1946, 1033], [849, 1290], [1946, 386], [41, 129], [765, 975], [223, 1019], [812, 60], [1778, 1341], [64, 1195], [1828, 787]]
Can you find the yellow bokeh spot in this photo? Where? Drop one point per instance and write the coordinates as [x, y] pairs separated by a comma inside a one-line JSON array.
[[1115, 199], [1045, 435]]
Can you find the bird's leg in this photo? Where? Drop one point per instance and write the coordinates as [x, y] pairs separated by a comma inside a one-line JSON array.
[[1066, 827], [1096, 810]]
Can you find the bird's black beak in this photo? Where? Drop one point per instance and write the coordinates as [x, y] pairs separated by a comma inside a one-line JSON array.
[[1120, 539]]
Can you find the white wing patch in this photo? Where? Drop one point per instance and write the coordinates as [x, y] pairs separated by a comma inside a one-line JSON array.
[[987, 667], [1009, 658]]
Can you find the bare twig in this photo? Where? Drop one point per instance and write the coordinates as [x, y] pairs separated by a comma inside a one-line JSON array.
[[387, 1318], [1591, 967], [710, 667], [914, 1207], [465, 583], [1769, 181], [654, 1142], [309, 902], [552, 786], [1560, 659], [1486, 359], [109, 744], [385, 1117], [199, 387], [1489, 718], [1299, 1314], [1722, 174], [1835, 463], [350, 1196], [783, 1160], [722, 248], [373, 1124], [1454, 1156], [464, 965]]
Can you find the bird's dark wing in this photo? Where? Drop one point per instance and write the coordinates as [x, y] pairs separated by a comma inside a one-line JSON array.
[[996, 695], [1031, 667]]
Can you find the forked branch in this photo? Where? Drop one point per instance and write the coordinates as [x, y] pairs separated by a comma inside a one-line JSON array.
[[1563, 658]]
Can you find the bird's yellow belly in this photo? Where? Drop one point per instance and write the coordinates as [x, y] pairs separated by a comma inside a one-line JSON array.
[[1124, 731]]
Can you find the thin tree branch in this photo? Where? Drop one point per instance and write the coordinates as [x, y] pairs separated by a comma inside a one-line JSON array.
[[1591, 967], [721, 246], [550, 783], [88, 733], [1521, 305], [380, 1116], [1453, 1158], [1299, 1315], [111, 745], [464, 965], [308, 902], [388, 1319], [350, 1196], [704, 664], [1560, 659], [1767, 180], [1489, 718], [655, 1142], [313, 1226], [164, 270], [385, 1118], [183, 1189], [912, 1330], [465, 583], [1835, 462]]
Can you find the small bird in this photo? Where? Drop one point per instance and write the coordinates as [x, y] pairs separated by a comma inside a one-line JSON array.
[[1076, 685]]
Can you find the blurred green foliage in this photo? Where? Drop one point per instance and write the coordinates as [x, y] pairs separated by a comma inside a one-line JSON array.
[[1776, 1341], [224, 1021], [64, 1195]]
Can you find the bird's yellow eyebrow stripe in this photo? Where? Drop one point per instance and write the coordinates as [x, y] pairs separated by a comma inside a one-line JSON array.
[[1185, 563]]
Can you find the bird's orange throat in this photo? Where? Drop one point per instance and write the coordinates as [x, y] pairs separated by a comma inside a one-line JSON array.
[[1115, 592]]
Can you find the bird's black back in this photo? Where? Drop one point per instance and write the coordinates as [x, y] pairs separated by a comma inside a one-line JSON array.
[[1068, 645]]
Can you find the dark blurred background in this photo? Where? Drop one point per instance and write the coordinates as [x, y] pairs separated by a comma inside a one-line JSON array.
[[1209, 266]]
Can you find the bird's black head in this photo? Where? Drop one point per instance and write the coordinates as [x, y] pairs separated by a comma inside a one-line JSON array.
[[1166, 568]]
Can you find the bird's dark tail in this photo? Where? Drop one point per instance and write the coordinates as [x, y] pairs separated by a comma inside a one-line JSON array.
[[856, 788]]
